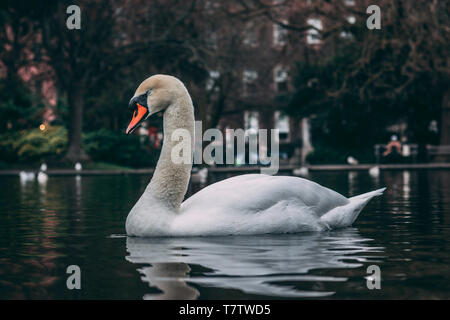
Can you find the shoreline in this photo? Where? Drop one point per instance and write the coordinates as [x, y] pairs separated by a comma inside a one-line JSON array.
[[252, 169]]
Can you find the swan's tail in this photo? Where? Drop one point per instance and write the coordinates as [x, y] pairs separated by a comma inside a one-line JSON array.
[[368, 195], [344, 216]]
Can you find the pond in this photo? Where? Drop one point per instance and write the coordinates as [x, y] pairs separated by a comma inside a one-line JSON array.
[[44, 228]]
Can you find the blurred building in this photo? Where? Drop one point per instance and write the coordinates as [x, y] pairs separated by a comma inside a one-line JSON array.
[[271, 46]]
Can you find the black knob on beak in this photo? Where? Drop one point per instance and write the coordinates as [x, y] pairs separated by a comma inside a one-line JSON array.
[[141, 99]]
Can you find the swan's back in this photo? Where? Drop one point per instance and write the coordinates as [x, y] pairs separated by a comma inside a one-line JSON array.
[[255, 204], [252, 193]]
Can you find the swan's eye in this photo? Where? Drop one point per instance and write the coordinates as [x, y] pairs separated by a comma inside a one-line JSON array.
[[149, 92]]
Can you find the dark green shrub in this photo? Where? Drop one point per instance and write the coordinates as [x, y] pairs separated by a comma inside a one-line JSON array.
[[116, 147], [27, 146]]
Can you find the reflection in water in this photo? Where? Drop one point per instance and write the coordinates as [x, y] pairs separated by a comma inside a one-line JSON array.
[[264, 265], [406, 185], [43, 229], [78, 190], [352, 183]]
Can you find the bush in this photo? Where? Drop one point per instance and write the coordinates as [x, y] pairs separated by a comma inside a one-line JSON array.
[[116, 147], [324, 154], [33, 145]]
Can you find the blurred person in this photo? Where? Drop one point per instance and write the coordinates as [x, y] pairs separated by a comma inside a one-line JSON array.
[[393, 152]]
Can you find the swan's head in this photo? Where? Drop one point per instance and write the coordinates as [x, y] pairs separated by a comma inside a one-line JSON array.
[[153, 95]]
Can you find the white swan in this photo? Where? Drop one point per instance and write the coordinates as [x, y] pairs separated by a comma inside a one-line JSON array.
[[26, 176], [246, 204], [43, 167], [42, 177], [352, 161], [78, 166]]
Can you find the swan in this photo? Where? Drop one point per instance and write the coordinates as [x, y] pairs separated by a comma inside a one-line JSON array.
[[78, 166], [42, 177], [245, 204], [352, 161], [43, 167], [26, 176]]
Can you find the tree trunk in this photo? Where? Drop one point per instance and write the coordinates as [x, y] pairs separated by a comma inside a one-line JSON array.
[[445, 119], [445, 126], [75, 152]]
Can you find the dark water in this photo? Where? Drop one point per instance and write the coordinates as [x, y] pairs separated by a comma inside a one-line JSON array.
[[44, 228]]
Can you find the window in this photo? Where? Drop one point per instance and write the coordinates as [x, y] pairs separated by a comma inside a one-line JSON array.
[[313, 35], [249, 80], [279, 34], [349, 2], [251, 122], [280, 78], [250, 34], [211, 41], [210, 5], [347, 34], [210, 83], [282, 124]]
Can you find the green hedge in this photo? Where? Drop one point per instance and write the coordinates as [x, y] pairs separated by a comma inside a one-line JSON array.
[[31, 146], [116, 147], [323, 154]]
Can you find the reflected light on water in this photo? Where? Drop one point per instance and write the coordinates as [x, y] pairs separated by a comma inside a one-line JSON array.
[[352, 182], [406, 185], [80, 220]]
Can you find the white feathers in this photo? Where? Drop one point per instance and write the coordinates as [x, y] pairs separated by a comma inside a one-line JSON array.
[[42, 177], [43, 167], [244, 204], [26, 176]]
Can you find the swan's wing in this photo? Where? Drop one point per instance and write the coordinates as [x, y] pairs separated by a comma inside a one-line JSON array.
[[253, 193]]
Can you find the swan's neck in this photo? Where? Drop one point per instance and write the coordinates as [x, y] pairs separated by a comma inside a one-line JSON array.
[[170, 180]]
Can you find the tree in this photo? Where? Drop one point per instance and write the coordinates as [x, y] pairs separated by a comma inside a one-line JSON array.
[[20, 103], [80, 59], [116, 38], [377, 77]]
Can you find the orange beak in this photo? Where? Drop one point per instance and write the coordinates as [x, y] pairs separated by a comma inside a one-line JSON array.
[[139, 115]]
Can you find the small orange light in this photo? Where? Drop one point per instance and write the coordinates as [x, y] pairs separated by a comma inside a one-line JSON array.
[[42, 127]]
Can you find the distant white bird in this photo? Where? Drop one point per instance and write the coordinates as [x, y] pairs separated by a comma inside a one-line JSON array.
[[374, 171], [351, 160], [302, 172], [43, 167], [201, 176], [42, 177], [78, 166], [26, 176]]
